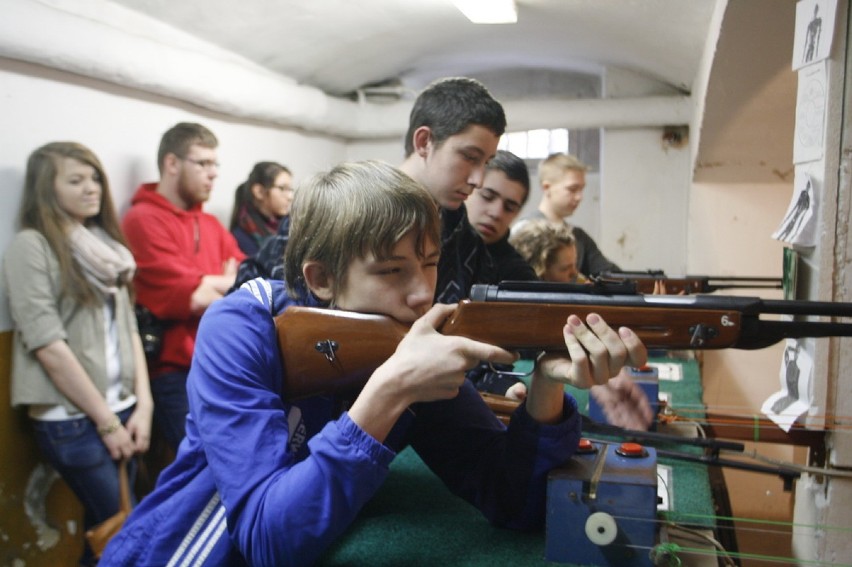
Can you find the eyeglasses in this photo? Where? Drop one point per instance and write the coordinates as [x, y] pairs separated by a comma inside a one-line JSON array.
[[207, 164], [285, 188]]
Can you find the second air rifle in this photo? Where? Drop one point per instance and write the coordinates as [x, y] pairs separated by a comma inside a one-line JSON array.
[[644, 282], [334, 352]]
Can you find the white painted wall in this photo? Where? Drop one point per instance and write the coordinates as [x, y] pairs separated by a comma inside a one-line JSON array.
[[391, 151], [644, 186], [644, 198], [729, 234], [730, 227]]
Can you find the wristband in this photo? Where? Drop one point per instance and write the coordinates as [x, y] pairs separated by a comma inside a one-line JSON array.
[[112, 427]]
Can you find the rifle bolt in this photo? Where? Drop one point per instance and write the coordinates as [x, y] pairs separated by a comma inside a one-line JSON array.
[[701, 333], [328, 348]]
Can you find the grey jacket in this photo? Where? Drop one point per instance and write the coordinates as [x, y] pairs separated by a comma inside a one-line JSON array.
[[32, 281]]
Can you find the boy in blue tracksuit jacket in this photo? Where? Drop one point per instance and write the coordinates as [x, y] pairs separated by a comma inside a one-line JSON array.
[[259, 480]]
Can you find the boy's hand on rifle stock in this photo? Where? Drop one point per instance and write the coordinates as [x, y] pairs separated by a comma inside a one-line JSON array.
[[429, 366], [426, 366], [596, 353]]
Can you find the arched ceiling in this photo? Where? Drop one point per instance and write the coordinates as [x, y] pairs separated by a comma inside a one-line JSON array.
[[339, 46], [719, 66]]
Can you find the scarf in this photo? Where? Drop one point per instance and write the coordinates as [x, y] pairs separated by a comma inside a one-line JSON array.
[[255, 224], [105, 263]]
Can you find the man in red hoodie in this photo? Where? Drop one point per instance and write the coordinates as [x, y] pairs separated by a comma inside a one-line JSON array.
[[185, 260]]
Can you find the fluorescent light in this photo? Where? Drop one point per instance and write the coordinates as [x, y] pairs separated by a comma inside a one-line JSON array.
[[488, 11]]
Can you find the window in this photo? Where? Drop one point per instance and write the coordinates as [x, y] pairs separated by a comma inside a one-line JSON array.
[[535, 144]]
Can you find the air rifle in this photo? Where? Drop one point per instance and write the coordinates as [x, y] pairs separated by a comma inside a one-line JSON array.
[[334, 352], [644, 282]]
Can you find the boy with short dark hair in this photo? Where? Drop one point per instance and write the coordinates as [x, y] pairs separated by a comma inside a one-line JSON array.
[[453, 132], [493, 207], [454, 127]]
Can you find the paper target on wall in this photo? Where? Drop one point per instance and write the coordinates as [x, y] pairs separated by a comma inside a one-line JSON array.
[[809, 137], [814, 31], [798, 226], [794, 398]]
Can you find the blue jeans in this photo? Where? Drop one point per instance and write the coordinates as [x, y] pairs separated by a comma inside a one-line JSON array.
[[75, 449], [170, 405]]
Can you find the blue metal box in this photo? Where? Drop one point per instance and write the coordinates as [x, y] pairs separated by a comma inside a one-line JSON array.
[[601, 507]]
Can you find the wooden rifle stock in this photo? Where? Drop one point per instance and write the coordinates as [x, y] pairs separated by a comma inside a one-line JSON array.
[[329, 352]]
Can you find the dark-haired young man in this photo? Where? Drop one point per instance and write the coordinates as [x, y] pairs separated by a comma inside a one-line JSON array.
[[493, 207], [453, 131]]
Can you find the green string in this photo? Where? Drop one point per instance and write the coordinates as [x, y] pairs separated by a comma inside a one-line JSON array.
[[666, 552], [767, 522], [774, 558], [756, 428]]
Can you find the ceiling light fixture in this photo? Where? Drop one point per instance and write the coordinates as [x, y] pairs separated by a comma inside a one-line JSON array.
[[488, 11]]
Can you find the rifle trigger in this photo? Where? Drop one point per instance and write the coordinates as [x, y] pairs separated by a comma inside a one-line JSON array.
[[700, 333], [328, 348]]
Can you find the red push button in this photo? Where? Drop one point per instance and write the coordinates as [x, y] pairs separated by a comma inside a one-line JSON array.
[[633, 450]]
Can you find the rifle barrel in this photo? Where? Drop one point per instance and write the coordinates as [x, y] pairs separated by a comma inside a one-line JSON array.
[[567, 294], [787, 474], [653, 438], [654, 275], [740, 279], [715, 287], [811, 308], [645, 281], [758, 333], [725, 321]]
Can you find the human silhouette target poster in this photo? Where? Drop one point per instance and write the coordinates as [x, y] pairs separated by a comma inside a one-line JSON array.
[[814, 31], [794, 398], [798, 226]]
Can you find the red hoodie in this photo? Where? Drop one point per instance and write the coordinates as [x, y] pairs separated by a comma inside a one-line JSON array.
[[173, 249]]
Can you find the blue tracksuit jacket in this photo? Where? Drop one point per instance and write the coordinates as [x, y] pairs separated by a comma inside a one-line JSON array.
[[260, 481]]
